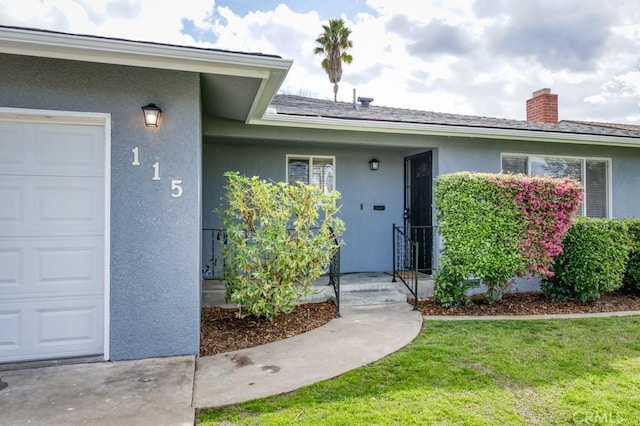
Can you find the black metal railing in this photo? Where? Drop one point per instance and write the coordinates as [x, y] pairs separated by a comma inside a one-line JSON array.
[[215, 238], [334, 274], [412, 256]]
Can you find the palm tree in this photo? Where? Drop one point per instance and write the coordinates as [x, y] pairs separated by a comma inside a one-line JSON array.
[[334, 43]]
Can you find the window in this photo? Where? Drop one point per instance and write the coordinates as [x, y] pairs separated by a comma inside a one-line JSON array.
[[593, 173], [315, 170]]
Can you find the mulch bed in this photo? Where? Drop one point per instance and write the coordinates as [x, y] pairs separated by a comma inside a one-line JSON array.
[[221, 331], [535, 303]]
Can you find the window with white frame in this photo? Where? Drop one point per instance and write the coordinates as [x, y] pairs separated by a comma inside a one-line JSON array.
[[593, 173], [312, 169]]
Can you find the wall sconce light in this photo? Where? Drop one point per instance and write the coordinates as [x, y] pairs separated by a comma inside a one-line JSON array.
[[151, 115], [374, 164]]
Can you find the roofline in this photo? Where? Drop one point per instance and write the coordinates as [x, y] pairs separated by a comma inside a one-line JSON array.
[[50, 44], [285, 120]]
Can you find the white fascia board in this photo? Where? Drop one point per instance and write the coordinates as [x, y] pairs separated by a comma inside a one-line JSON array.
[[270, 119], [132, 53], [266, 92]]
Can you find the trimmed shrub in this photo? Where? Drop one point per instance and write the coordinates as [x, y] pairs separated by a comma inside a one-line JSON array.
[[631, 278], [479, 238], [450, 289], [498, 226], [279, 239], [593, 261]]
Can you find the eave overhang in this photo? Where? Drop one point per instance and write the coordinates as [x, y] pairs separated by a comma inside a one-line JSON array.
[[318, 122], [268, 71]]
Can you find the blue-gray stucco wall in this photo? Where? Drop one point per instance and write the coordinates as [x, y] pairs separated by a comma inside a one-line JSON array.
[[368, 237], [155, 239], [368, 232]]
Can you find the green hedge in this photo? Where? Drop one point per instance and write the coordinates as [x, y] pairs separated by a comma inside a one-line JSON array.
[[497, 226], [593, 262], [631, 278]]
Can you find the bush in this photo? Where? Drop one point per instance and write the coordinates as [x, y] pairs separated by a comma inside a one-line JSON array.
[[593, 261], [279, 239], [495, 227], [631, 278], [450, 286]]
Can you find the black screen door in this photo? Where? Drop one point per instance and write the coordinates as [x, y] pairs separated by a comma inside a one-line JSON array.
[[417, 204]]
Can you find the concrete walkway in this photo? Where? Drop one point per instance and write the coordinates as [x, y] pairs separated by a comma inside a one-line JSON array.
[[166, 391], [363, 335]]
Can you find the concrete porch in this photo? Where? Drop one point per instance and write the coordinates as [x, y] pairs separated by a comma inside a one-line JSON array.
[[356, 289]]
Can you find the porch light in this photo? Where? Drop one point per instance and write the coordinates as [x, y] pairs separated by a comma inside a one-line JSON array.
[[151, 115], [374, 164]]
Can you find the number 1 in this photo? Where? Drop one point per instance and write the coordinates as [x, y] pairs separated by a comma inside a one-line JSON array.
[[156, 171], [136, 159]]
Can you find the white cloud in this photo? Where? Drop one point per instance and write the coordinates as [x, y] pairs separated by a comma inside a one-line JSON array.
[[469, 77], [133, 19]]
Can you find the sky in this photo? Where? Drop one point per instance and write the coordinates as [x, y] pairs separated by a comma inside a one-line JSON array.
[[478, 57]]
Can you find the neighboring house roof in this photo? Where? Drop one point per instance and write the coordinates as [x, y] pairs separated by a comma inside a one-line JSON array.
[[308, 107], [631, 127], [235, 85]]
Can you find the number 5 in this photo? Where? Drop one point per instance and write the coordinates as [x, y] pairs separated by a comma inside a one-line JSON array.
[[176, 188]]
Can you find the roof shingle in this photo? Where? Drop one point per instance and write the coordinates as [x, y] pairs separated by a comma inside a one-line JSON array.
[[310, 107]]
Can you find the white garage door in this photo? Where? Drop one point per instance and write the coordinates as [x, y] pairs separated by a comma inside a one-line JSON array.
[[51, 240]]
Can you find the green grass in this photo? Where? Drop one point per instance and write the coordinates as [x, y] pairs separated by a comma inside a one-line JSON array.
[[555, 372]]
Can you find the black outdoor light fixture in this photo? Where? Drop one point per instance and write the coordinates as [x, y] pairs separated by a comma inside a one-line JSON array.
[[374, 164], [152, 115]]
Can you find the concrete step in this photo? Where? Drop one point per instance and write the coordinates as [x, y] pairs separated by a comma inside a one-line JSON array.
[[381, 297], [355, 290], [367, 286]]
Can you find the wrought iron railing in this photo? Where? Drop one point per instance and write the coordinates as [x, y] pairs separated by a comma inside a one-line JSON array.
[[334, 274], [213, 239], [412, 256]]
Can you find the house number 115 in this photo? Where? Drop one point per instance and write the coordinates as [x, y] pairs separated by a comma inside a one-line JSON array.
[[176, 184]]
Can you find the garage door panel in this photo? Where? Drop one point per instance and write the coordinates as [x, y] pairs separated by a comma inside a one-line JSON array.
[[53, 328], [12, 205], [11, 268], [71, 265], [64, 206], [51, 149], [39, 205], [68, 150], [61, 326], [57, 266], [13, 147], [10, 330]]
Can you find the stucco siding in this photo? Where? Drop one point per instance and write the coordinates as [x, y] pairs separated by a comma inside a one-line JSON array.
[[155, 238], [368, 235]]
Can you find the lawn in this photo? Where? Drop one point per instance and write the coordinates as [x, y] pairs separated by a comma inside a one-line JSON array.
[[551, 372]]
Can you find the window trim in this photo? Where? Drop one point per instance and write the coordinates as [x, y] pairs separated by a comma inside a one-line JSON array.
[[584, 159], [310, 158]]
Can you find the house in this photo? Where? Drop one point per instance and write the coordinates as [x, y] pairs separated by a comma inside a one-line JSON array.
[[102, 217]]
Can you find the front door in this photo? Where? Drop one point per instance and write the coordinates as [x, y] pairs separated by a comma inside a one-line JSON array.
[[417, 204]]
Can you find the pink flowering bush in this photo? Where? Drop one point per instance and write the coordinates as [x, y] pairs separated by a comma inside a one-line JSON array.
[[498, 226], [547, 206]]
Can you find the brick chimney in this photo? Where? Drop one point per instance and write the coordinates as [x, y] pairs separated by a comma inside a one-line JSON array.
[[543, 107]]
